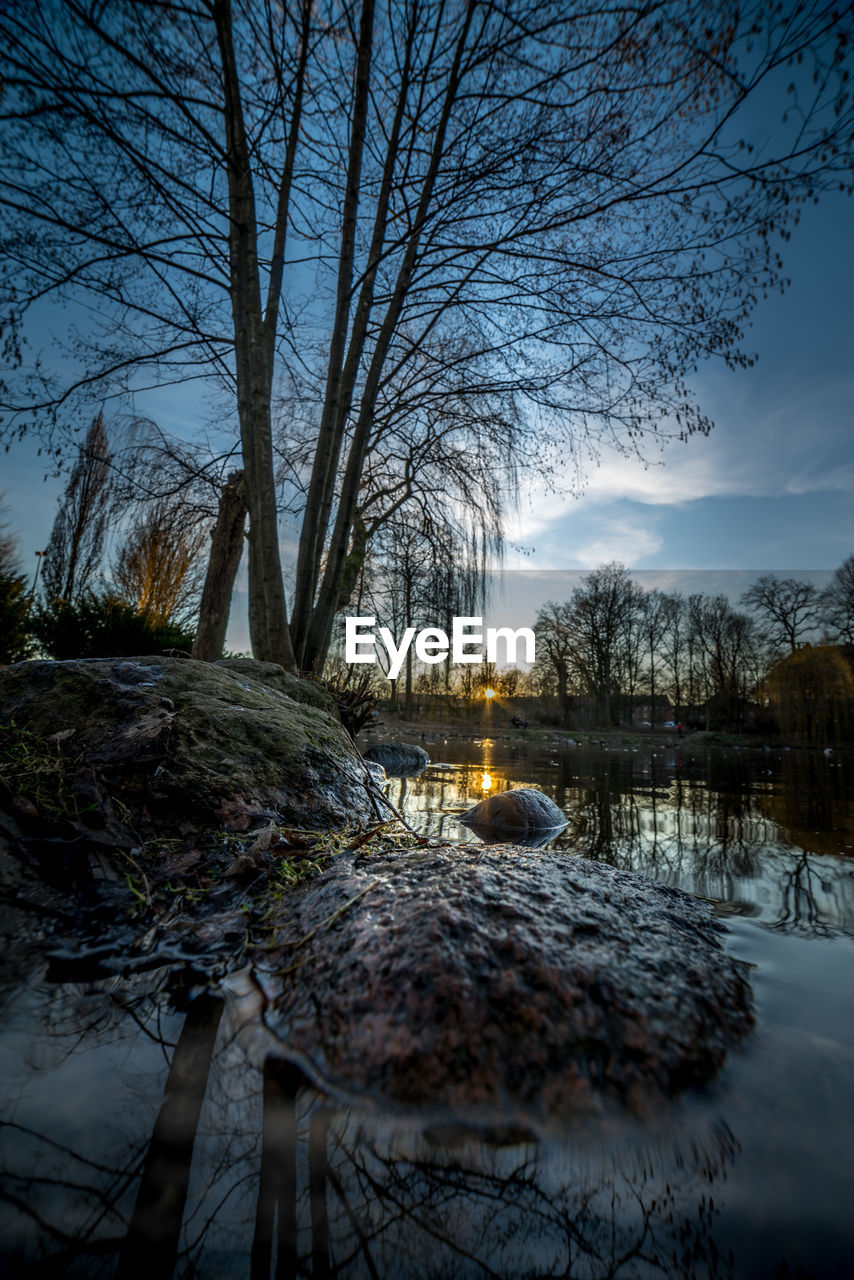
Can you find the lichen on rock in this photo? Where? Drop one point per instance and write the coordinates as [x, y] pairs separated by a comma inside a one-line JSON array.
[[498, 981]]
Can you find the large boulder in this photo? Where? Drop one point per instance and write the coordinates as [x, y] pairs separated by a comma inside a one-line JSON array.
[[500, 983], [183, 744], [398, 758], [309, 692], [522, 814]]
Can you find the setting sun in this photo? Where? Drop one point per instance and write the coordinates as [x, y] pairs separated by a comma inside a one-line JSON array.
[[489, 693]]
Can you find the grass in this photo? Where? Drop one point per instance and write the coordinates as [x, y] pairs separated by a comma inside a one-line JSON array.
[[36, 770]]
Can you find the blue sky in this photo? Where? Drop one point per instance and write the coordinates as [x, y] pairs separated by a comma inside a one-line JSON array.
[[772, 487]]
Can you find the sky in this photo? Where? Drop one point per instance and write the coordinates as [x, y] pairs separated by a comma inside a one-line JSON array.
[[770, 489]]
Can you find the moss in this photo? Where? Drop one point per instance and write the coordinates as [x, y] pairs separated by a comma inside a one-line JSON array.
[[178, 740], [275, 677], [34, 770]]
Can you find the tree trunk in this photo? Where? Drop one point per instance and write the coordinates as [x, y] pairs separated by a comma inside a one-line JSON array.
[[225, 553], [652, 687], [150, 1247], [269, 631], [316, 644], [563, 697], [335, 406], [408, 703], [354, 562]]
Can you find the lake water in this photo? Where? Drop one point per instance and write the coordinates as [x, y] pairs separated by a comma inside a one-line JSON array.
[[139, 1138]]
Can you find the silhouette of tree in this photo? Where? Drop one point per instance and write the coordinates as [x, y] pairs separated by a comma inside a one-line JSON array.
[[577, 191], [73, 554], [14, 602], [554, 648], [787, 609], [837, 603]]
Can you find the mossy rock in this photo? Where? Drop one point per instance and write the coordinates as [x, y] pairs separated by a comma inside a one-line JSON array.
[[308, 692], [183, 744]]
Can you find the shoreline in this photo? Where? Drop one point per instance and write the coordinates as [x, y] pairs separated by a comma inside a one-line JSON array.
[[390, 727]]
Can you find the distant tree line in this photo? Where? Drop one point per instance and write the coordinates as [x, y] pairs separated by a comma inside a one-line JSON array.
[[617, 654], [697, 658]]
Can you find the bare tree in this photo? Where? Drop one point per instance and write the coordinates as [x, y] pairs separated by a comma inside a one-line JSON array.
[[577, 191], [602, 615], [73, 554], [655, 616], [9, 559], [14, 601], [787, 609], [553, 629], [423, 570], [837, 602], [178, 233], [673, 648], [724, 645]]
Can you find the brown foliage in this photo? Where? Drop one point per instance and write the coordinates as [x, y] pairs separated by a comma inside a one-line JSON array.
[[158, 566], [812, 693]]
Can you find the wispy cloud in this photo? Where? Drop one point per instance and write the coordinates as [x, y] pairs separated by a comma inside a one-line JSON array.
[[799, 444]]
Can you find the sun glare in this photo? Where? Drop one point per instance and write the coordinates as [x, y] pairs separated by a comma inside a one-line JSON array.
[[489, 693], [486, 782]]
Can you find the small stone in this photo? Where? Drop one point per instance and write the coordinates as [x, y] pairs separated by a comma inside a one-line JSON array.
[[518, 811], [398, 758]]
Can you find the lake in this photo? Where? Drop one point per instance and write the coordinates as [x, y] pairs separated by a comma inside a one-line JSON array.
[[144, 1132]]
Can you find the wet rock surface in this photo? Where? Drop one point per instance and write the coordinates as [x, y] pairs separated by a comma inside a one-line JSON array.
[[521, 811], [501, 981], [309, 692], [398, 758], [171, 745]]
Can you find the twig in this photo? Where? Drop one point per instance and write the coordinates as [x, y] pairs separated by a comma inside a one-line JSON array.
[[324, 924]]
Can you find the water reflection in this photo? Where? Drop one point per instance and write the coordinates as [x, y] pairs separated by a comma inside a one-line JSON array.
[[206, 1158], [494, 833], [765, 834], [147, 1129]]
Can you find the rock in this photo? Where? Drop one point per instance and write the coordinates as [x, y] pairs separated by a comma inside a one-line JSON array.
[[498, 983], [518, 812], [398, 758], [178, 741], [377, 773], [308, 692]]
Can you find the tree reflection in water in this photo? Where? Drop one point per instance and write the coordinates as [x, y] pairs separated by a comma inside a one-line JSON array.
[[354, 1195], [768, 834], [268, 1178], [143, 1134]]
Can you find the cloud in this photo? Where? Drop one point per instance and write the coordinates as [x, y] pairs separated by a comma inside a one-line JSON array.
[[621, 540], [836, 479], [787, 441], [569, 534]]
